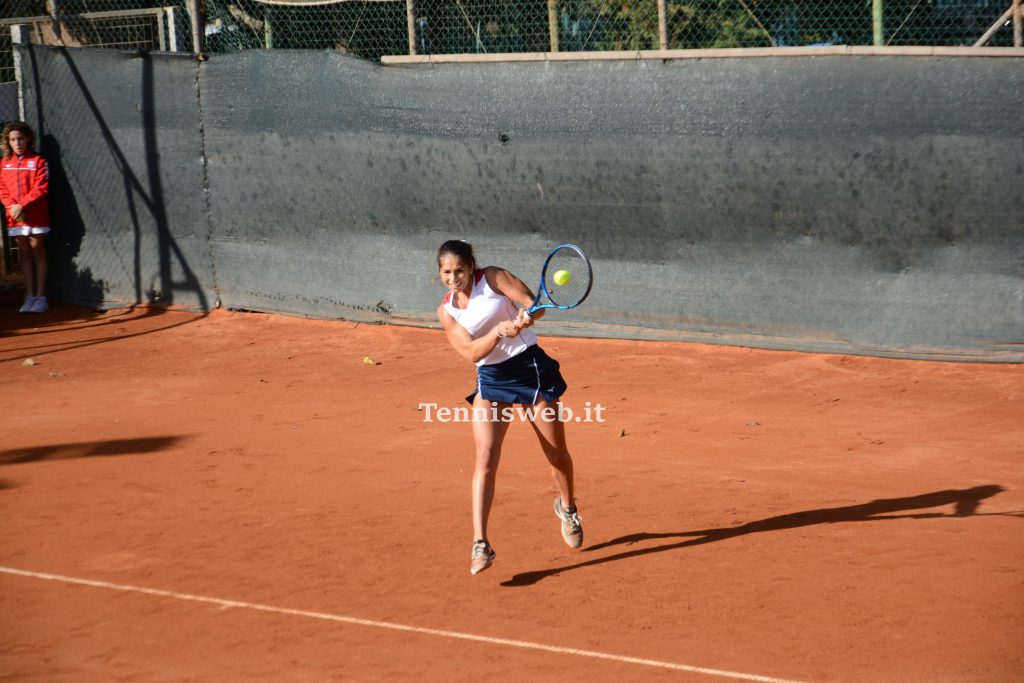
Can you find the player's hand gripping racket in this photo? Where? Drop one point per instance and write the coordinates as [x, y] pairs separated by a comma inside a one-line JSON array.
[[565, 280]]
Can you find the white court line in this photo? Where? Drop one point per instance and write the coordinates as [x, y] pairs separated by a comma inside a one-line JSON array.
[[524, 644]]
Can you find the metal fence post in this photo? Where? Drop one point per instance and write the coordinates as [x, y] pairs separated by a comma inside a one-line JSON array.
[[877, 29], [410, 25], [197, 11], [1018, 18], [553, 24], [663, 24], [171, 20], [19, 36], [161, 32], [1000, 22]]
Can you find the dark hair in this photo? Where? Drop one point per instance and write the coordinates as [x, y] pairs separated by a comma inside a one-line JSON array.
[[21, 127], [461, 249]]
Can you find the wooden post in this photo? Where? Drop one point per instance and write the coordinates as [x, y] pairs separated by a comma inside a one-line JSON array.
[[553, 23], [663, 24], [410, 25], [877, 29]]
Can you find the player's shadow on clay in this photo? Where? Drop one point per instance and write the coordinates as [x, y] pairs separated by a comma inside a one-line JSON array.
[[965, 503]]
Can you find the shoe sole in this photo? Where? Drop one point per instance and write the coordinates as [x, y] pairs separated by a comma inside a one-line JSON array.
[[474, 572], [572, 544]]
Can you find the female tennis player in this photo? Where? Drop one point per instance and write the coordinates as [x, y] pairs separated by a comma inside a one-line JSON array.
[[480, 316]]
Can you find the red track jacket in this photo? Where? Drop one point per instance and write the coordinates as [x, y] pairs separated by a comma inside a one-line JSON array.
[[25, 180]]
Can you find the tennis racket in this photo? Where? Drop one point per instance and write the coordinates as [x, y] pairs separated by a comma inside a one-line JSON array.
[[565, 279]]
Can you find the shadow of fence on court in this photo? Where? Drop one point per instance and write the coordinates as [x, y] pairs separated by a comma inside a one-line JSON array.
[[58, 318], [85, 449]]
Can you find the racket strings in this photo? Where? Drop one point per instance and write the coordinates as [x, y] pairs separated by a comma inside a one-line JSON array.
[[573, 291]]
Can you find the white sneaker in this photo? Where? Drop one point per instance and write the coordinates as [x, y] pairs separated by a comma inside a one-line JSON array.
[[572, 524], [40, 305], [481, 558], [26, 307]]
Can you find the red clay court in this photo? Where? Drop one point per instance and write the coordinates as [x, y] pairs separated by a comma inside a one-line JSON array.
[[240, 497]]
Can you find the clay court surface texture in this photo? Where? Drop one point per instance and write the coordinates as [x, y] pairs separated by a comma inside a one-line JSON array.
[[242, 497]]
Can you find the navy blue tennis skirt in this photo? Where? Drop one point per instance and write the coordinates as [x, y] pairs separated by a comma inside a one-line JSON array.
[[527, 378]]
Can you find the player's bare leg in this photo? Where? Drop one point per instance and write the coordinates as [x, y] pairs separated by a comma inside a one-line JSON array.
[[28, 270], [38, 252], [488, 435], [551, 434]]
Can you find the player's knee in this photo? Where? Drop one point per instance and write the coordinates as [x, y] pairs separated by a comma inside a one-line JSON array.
[[557, 457], [487, 458]]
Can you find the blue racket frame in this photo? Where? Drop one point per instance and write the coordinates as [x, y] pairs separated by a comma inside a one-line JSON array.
[[542, 290]]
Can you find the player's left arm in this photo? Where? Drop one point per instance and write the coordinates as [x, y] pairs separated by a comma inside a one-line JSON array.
[[40, 183], [504, 282]]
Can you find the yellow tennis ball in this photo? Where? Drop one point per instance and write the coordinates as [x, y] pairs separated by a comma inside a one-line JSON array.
[[562, 277]]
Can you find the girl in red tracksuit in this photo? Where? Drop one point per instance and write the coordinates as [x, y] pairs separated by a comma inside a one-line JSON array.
[[24, 185]]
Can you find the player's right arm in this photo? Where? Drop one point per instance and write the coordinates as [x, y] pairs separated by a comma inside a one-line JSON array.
[[5, 196], [467, 347], [504, 282], [9, 202]]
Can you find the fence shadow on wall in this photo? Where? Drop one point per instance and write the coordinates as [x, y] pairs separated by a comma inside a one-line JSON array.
[[68, 282], [144, 198]]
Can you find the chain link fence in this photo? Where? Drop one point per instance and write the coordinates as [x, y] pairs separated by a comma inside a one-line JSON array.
[[117, 24], [463, 26], [382, 27], [373, 28]]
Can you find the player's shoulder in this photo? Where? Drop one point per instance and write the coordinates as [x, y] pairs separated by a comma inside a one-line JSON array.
[[443, 316], [492, 273], [34, 161], [496, 275]]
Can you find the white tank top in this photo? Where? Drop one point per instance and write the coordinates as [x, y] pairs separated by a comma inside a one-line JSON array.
[[487, 308]]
